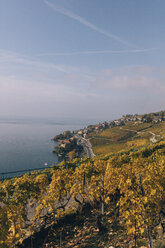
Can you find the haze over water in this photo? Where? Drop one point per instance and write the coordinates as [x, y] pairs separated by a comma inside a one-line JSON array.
[[27, 144]]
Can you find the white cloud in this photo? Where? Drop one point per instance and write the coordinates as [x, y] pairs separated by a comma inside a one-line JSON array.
[[24, 97], [133, 78], [76, 92], [11, 57], [34, 69]]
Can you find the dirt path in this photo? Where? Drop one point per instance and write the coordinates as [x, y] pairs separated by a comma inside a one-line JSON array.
[[153, 138]]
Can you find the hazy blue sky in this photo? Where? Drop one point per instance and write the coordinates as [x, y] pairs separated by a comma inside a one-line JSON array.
[[81, 58]]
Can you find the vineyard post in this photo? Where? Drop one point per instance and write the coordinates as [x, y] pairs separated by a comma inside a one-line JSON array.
[[135, 236], [49, 175], [148, 229], [102, 198], [84, 180], [2, 177], [150, 237], [61, 239]]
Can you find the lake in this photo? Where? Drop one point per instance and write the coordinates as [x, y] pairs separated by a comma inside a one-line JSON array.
[[27, 144]]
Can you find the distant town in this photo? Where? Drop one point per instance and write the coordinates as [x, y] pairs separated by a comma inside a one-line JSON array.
[[76, 144]]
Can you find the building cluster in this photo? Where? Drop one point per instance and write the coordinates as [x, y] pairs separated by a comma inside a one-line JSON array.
[[67, 142], [146, 118]]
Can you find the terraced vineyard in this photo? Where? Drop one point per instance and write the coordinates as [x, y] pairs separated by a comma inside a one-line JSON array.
[[130, 135], [115, 200]]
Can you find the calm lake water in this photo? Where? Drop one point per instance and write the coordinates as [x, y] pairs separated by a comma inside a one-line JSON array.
[[26, 144]]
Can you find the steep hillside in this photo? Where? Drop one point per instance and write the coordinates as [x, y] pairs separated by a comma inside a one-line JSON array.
[[131, 135], [117, 200]]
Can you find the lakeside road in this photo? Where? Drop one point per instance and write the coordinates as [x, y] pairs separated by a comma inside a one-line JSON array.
[[86, 146]]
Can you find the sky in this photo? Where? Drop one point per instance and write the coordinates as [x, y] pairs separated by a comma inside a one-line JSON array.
[[94, 59]]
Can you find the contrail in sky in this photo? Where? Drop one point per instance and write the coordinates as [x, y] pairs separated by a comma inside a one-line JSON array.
[[86, 23], [98, 52]]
